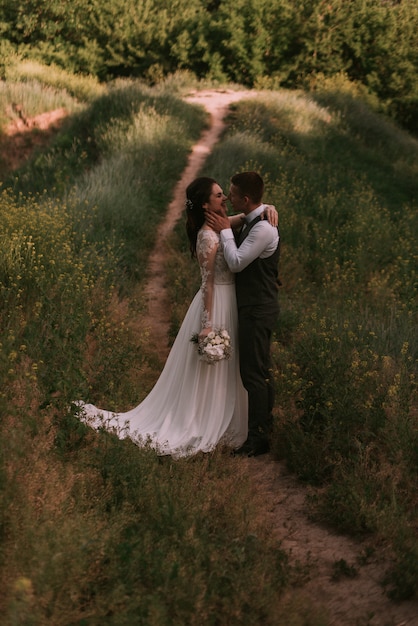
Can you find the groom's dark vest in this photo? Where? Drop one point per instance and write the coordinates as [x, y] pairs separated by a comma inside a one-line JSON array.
[[258, 283]]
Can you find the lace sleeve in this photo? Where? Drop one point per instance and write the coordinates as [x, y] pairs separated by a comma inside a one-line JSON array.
[[207, 246]]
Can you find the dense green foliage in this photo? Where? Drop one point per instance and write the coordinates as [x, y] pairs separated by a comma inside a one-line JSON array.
[[267, 43]]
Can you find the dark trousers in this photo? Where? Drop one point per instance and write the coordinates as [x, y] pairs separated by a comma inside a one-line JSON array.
[[256, 324]]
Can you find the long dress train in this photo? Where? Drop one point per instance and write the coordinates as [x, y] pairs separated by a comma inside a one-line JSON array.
[[193, 405]]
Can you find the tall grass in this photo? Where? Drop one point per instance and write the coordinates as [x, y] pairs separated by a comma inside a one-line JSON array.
[[123, 538], [81, 87], [32, 98], [117, 162], [29, 89], [102, 188]]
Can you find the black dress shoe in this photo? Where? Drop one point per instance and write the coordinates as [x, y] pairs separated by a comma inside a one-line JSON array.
[[253, 448]]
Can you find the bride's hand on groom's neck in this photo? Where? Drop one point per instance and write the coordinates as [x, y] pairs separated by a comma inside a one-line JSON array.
[[271, 215]]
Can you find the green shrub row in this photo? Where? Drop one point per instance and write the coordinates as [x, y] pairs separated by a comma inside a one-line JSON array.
[[280, 43]]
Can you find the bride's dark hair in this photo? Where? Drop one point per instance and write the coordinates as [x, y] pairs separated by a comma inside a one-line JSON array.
[[197, 194]]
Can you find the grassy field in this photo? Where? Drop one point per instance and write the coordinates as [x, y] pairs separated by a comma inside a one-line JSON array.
[[96, 531]]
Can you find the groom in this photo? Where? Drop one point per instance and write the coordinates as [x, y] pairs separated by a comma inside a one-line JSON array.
[[253, 255]]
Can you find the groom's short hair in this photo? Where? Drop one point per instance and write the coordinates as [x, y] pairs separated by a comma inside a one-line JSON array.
[[249, 184]]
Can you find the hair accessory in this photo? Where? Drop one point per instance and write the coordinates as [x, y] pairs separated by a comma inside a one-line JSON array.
[[189, 205]]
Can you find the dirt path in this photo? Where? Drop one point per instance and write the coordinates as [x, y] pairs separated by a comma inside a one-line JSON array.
[[25, 134], [155, 292], [356, 600], [343, 577]]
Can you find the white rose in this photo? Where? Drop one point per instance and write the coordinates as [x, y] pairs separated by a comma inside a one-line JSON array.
[[215, 351]]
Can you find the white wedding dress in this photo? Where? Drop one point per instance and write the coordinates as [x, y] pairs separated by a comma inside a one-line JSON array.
[[194, 405]]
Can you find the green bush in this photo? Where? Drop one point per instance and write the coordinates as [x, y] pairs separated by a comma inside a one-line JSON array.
[[273, 44]]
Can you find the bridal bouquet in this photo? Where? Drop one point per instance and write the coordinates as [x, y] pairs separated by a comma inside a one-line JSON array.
[[216, 346]]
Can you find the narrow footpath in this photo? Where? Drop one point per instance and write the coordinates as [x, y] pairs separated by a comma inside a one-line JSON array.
[[155, 292]]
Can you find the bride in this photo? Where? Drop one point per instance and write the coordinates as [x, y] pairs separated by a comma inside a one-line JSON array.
[[195, 404]]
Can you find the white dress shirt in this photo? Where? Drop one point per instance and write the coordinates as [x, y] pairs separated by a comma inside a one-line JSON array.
[[261, 241]]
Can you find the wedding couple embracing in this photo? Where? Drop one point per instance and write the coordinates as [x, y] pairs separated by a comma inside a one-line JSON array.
[[216, 386]]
